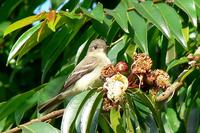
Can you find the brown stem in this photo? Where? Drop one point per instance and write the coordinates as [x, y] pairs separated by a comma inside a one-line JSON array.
[[54, 114], [169, 91]]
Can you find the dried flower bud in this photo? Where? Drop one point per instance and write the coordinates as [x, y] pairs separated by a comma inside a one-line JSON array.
[[108, 71], [116, 87], [142, 63], [162, 79], [122, 67]]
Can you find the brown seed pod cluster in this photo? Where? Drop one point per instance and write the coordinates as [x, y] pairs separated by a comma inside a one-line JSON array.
[[142, 63], [110, 70], [148, 78], [162, 79]]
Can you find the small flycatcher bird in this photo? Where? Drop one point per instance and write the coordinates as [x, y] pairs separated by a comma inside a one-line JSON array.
[[85, 75]]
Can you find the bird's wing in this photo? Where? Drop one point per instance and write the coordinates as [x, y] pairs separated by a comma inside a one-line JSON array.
[[85, 66]]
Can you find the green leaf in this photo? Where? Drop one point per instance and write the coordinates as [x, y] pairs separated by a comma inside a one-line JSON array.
[[28, 104], [177, 62], [119, 13], [73, 108], [39, 127], [149, 103], [114, 51], [172, 119], [148, 10], [139, 26], [104, 124], [89, 110], [37, 37], [97, 13], [115, 119], [173, 22], [24, 22], [21, 42], [14, 103], [197, 2], [51, 89], [188, 6]]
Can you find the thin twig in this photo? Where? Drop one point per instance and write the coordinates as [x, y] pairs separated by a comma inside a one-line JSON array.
[[54, 114]]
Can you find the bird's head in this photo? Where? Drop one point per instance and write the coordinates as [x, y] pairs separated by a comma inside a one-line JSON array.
[[98, 45]]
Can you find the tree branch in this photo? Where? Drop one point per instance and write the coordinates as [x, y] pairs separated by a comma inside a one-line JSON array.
[[54, 114]]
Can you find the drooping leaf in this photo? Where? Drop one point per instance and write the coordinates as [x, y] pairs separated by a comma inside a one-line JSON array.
[[21, 42], [119, 13], [39, 127], [73, 108], [188, 6], [115, 121], [147, 102], [148, 10], [173, 22], [88, 112], [37, 37], [140, 30], [24, 22], [172, 119], [104, 124], [14, 103], [28, 104]]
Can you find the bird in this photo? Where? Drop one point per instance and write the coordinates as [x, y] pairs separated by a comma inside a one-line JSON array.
[[85, 75]]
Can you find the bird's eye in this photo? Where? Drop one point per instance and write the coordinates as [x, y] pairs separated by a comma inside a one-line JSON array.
[[95, 47]]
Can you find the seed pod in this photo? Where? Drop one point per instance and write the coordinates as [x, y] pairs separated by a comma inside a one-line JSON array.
[[122, 67], [142, 63]]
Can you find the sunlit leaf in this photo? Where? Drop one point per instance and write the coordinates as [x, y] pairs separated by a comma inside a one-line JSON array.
[[173, 21], [21, 42], [39, 127], [140, 29], [189, 7], [115, 119], [148, 10], [89, 110], [119, 13], [172, 119], [73, 108], [23, 22]]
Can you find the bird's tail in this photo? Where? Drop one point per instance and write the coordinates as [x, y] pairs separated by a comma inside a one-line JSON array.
[[55, 101]]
